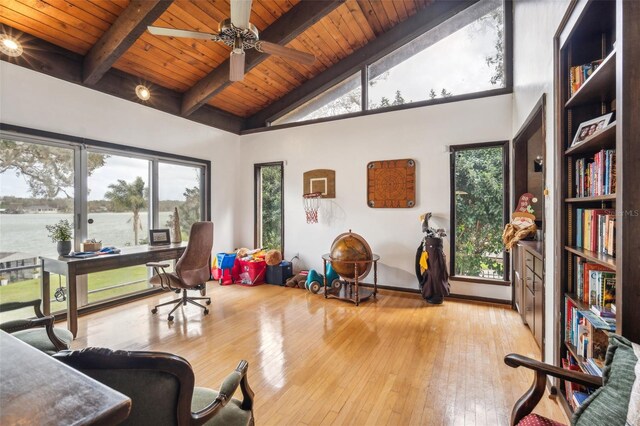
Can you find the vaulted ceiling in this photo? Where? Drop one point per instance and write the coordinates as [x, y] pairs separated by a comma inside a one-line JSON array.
[[107, 43]]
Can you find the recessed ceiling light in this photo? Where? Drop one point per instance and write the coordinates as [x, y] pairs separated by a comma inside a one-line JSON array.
[[143, 92], [10, 46]]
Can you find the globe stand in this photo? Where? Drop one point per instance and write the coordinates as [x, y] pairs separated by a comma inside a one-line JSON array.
[[351, 290]]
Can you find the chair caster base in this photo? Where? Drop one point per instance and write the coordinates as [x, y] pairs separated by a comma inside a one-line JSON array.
[[170, 318], [206, 311], [208, 302], [154, 311]]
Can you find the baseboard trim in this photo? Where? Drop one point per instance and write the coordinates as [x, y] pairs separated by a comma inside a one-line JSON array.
[[480, 299], [453, 296]]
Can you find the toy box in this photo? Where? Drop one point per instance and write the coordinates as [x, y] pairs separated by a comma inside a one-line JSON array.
[[252, 273], [278, 274]]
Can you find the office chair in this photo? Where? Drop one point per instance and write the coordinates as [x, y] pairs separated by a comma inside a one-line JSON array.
[[162, 387], [192, 270], [37, 332]]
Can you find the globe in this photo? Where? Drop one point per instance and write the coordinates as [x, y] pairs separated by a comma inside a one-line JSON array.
[[346, 249]]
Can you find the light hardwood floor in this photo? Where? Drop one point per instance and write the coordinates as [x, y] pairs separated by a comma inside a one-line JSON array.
[[394, 361]]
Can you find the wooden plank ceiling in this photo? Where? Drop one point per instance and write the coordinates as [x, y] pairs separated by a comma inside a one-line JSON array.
[[178, 64]]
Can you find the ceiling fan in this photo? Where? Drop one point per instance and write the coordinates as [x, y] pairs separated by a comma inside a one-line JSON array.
[[239, 34]]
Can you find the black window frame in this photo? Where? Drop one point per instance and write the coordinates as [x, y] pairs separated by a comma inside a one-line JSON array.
[[256, 180], [453, 149]]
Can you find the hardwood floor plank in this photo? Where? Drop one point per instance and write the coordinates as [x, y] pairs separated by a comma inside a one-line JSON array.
[[313, 361]]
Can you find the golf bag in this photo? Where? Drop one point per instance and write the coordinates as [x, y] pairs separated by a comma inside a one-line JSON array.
[[434, 280]]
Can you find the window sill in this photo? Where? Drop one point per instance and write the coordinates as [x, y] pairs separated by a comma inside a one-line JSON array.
[[479, 280]]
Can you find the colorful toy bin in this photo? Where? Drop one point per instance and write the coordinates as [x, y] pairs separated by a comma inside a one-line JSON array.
[[224, 270]]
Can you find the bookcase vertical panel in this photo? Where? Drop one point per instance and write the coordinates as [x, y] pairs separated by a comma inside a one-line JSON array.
[[601, 38]]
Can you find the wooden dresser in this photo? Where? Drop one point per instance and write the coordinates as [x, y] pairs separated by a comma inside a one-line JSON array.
[[528, 274]]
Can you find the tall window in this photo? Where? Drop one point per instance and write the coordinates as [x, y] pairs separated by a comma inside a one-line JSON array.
[[479, 210], [269, 206], [107, 194]]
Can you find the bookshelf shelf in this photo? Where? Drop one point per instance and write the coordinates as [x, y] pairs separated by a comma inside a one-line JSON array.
[[609, 197], [600, 87], [600, 259], [606, 139], [576, 301]]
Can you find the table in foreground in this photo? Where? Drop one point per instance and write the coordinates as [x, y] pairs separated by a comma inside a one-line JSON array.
[[71, 267], [36, 389], [350, 290]]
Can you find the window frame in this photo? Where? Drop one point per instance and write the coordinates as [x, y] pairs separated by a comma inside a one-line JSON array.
[[257, 226], [363, 67], [453, 149], [81, 147]]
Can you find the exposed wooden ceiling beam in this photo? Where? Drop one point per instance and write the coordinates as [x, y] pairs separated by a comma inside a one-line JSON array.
[[120, 36], [289, 26], [57, 62], [426, 19]]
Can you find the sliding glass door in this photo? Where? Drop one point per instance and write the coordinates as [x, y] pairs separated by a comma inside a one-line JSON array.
[[36, 189], [109, 195], [118, 216]]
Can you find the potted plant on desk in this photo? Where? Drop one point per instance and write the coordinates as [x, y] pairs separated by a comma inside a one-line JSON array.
[[61, 233]]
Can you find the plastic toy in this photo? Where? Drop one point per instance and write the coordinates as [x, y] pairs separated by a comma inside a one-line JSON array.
[[315, 281]]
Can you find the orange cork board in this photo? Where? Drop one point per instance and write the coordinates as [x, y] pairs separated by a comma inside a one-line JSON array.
[[391, 184]]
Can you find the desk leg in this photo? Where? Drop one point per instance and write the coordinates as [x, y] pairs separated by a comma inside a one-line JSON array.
[[324, 277], [72, 303], [45, 290]]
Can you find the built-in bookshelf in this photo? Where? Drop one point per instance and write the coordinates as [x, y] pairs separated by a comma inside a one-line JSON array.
[[598, 154]]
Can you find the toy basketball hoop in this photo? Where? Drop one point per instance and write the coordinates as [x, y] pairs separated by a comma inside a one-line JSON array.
[[311, 205]]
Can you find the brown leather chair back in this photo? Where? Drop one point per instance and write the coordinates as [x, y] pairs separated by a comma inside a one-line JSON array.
[[193, 267]]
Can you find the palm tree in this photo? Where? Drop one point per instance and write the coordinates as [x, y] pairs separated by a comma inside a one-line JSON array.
[[129, 196]]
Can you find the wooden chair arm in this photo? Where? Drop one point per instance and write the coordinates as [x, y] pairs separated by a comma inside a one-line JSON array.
[[12, 306], [530, 399], [227, 389], [25, 324]]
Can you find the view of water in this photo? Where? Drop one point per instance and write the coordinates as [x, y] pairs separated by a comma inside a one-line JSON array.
[[26, 233]]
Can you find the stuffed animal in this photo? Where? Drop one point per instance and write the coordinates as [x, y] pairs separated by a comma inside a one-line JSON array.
[[273, 257], [298, 280], [522, 222]]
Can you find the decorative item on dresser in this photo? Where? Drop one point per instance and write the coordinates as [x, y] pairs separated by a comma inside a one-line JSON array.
[[597, 220]]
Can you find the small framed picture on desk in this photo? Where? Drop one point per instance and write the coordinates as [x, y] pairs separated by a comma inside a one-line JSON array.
[[159, 237]]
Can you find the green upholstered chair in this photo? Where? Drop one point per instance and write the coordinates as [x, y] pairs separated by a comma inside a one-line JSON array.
[[37, 332], [616, 402], [161, 387]]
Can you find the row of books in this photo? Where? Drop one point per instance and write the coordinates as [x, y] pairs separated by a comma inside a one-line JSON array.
[[596, 230], [579, 74], [596, 175], [594, 366], [595, 284], [575, 394], [586, 331]]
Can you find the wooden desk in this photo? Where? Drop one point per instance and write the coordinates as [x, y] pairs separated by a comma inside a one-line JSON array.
[[36, 389], [72, 267]]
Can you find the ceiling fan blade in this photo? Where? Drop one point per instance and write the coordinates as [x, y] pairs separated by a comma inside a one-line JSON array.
[[285, 52], [171, 32], [240, 13], [236, 66]]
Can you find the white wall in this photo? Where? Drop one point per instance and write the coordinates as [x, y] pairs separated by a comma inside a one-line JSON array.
[[346, 146], [34, 100], [535, 24]]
